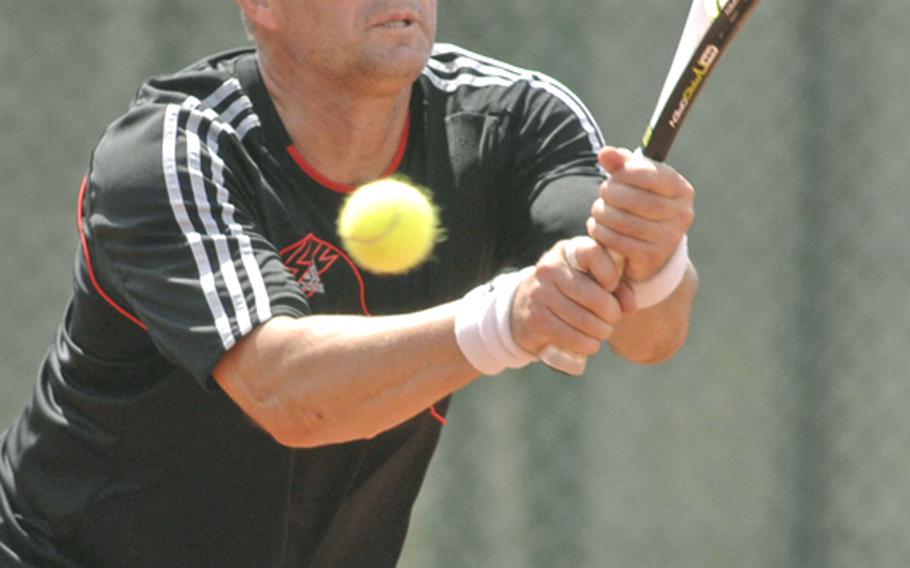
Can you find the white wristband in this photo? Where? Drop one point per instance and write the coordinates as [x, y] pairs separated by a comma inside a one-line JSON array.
[[656, 289], [483, 329]]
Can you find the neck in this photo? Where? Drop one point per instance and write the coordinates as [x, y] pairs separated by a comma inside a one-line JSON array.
[[349, 133]]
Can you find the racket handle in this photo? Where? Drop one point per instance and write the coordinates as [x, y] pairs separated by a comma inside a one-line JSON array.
[[564, 360]]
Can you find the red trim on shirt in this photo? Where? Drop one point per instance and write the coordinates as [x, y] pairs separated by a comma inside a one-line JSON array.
[[363, 286], [88, 262], [439, 417], [345, 188]]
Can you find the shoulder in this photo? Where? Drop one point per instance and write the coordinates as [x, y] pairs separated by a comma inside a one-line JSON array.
[[196, 115], [482, 80], [209, 90], [462, 81]]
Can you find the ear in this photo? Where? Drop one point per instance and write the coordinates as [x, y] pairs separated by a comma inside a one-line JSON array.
[[260, 12]]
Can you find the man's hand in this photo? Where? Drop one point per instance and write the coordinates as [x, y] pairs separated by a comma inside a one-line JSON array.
[[642, 212], [573, 299]]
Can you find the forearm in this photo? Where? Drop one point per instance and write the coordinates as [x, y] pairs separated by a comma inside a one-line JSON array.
[[329, 379], [655, 334]]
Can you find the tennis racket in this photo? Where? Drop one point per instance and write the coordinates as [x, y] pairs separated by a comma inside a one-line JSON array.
[[708, 32]]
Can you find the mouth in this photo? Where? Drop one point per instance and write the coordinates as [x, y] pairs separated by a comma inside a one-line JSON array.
[[396, 24], [396, 20]]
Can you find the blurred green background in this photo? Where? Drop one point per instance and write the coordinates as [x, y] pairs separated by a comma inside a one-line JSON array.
[[779, 437]]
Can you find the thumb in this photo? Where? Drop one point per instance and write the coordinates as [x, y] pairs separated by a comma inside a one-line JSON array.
[[612, 158]]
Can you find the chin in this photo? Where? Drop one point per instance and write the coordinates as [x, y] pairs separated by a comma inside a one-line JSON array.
[[404, 63]]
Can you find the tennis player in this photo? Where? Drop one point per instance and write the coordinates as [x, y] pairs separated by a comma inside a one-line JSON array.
[[227, 388]]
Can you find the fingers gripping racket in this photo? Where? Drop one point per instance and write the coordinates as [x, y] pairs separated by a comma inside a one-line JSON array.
[[709, 30]]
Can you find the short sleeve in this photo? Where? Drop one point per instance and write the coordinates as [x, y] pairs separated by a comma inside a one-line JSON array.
[[170, 219], [555, 171]]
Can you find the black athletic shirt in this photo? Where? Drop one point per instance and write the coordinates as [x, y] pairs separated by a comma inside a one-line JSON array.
[[198, 221]]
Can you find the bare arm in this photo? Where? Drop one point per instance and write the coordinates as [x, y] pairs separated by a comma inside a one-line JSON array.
[[657, 333], [642, 212], [329, 379], [585, 313]]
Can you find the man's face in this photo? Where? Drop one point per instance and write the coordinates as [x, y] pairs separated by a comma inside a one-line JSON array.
[[367, 40]]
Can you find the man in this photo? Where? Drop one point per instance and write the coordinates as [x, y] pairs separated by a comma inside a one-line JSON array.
[[227, 388]]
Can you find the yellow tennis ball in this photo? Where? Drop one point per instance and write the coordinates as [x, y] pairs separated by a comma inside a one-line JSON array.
[[388, 226]]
